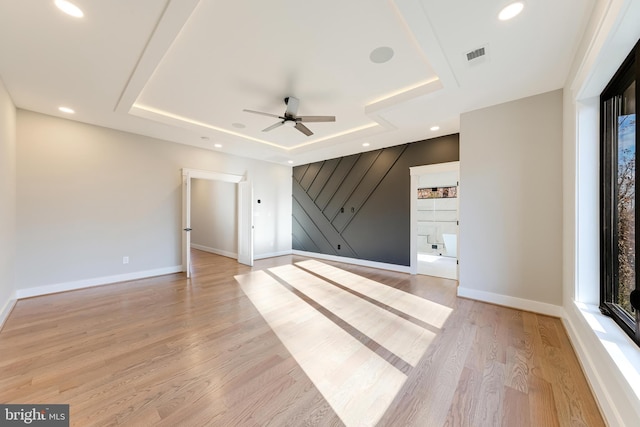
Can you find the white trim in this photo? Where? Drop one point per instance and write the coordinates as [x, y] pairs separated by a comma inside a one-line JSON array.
[[245, 226], [185, 244], [613, 389], [434, 168], [512, 302], [271, 255], [173, 19], [594, 71], [355, 261], [413, 221], [245, 210], [211, 176], [235, 255], [610, 360], [6, 310], [95, 281], [215, 251]]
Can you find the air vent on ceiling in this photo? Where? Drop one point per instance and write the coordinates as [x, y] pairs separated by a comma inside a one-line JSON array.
[[477, 53]]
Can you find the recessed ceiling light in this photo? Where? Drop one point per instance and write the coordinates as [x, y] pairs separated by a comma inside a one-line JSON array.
[[365, 144], [66, 110], [381, 54], [290, 162], [69, 8], [217, 145], [239, 125], [435, 128], [204, 138], [511, 11]]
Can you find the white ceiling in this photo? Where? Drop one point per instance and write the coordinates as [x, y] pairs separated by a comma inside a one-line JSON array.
[[183, 70]]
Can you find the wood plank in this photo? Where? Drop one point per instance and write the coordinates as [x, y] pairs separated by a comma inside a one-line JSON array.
[[463, 406], [515, 409], [169, 351]]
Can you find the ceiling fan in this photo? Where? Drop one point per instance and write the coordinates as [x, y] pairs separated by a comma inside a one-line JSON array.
[[291, 119]]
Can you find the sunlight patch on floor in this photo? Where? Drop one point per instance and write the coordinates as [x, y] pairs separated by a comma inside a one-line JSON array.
[[428, 311], [357, 383], [398, 335], [332, 332]]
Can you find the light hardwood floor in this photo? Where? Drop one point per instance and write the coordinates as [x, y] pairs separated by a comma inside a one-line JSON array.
[[291, 341]]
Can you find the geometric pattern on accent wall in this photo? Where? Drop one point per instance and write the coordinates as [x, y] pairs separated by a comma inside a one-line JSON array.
[[328, 195]]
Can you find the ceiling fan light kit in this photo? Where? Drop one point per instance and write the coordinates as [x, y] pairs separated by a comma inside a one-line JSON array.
[[291, 119]]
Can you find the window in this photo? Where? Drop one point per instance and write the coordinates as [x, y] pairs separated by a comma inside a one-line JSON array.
[[618, 219]]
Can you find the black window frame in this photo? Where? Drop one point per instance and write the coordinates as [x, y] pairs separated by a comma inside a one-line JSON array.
[[628, 71]]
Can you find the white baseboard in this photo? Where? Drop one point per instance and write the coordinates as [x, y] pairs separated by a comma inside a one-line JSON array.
[[235, 255], [602, 348], [6, 310], [272, 255], [215, 251], [355, 261], [513, 302], [610, 361], [95, 281]]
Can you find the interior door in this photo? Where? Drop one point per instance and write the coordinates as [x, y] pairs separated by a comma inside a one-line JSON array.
[[245, 223], [186, 225]]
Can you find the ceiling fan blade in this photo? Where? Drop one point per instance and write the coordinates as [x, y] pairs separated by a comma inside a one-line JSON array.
[[292, 106], [263, 114], [302, 128], [273, 126], [316, 118]]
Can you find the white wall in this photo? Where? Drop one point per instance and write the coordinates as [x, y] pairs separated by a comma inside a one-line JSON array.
[[7, 202], [214, 217], [511, 203], [87, 196]]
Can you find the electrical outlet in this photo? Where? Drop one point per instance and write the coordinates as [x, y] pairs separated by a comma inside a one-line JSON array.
[[338, 247], [125, 260]]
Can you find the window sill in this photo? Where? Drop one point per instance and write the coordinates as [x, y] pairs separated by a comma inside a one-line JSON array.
[[611, 361]]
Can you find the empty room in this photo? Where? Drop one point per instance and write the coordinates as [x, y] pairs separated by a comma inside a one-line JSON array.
[[390, 213]]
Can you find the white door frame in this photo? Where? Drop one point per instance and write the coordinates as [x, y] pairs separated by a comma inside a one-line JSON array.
[[187, 175], [186, 224], [415, 172], [245, 223]]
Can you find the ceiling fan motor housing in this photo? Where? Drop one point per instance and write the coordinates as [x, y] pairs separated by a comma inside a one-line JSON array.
[[290, 117]]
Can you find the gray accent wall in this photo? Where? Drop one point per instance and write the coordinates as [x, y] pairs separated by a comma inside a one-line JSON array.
[[359, 206]]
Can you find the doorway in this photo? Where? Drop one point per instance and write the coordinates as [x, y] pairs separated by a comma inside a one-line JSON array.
[[214, 217], [244, 214], [434, 219]]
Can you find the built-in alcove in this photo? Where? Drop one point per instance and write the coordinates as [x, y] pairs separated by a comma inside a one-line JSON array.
[[437, 213], [434, 219]]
